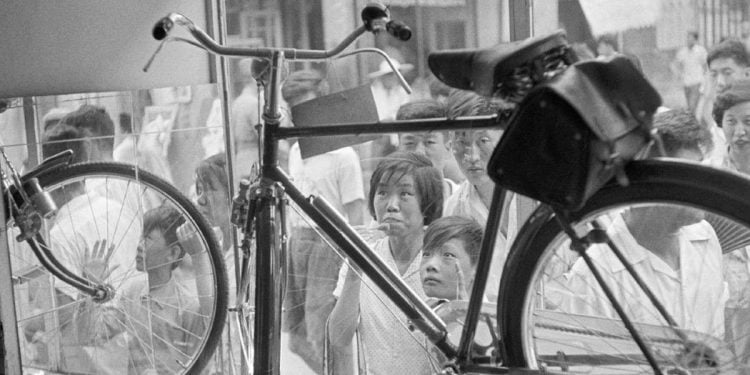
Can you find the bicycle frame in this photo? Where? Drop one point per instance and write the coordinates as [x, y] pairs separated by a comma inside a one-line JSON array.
[[268, 302]]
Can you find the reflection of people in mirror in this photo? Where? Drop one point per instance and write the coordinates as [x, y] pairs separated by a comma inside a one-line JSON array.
[[673, 249], [166, 308]]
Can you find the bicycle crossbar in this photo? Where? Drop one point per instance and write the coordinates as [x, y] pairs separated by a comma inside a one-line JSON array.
[[421, 125]]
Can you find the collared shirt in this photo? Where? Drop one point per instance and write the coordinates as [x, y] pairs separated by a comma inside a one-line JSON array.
[[167, 324], [389, 347], [737, 267], [695, 294], [465, 201]]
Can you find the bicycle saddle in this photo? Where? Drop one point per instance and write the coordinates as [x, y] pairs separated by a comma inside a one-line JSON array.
[[483, 70]]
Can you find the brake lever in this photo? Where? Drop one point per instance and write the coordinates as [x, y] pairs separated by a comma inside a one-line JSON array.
[[387, 58]]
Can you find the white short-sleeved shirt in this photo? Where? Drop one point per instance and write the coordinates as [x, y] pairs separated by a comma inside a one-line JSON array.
[[693, 61], [695, 295], [335, 175]]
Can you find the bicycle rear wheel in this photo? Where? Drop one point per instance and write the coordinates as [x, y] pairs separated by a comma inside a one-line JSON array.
[[554, 314], [167, 301]]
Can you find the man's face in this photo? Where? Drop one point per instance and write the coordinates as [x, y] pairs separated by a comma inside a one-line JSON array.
[[430, 144], [736, 127], [671, 218], [472, 150], [725, 71]]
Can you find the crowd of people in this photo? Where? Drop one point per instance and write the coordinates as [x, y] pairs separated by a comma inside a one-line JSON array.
[[428, 198]]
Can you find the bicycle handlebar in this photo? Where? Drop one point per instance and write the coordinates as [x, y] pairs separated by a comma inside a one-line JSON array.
[[376, 19]]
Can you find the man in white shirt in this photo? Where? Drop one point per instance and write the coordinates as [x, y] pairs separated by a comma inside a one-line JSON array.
[[671, 247], [690, 66], [337, 177], [727, 62]]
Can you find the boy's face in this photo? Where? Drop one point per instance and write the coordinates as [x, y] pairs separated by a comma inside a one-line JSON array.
[[430, 144], [154, 252], [440, 270]]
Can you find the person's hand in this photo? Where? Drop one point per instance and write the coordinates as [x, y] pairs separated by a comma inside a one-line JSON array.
[[709, 86], [96, 261], [189, 239], [371, 233], [462, 293]]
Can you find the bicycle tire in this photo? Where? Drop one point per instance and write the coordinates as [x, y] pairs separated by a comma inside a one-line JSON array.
[[142, 326], [270, 283], [527, 289]]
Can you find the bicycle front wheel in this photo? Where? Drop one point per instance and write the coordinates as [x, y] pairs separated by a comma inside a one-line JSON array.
[[684, 229], [147, 244]]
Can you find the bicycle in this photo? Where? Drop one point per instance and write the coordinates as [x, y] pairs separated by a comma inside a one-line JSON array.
[[86, 301], [522, 340]]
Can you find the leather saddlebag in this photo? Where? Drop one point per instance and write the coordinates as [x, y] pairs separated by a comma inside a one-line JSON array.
[[571, 135]]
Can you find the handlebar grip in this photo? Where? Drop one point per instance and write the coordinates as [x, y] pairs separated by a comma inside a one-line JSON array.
[[162, 27], [399, 30]]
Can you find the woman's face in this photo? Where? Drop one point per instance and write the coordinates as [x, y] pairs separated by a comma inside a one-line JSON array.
[[472, 150], [213, 201], [736, 127], [396, 204]]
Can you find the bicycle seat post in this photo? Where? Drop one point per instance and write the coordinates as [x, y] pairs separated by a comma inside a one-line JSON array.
[[271, 116]]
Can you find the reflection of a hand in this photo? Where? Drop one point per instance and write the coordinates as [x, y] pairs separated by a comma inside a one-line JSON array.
[[462, 293], [96, 261]]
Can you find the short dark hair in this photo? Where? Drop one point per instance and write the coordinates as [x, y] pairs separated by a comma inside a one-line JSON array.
[[421, 109], [694, 34], [438, 88], [166, 219], [95, 122], [738, 92], [213, 167], [418, 109], [447, 228], [60, 137], [729, 49], [680, 130], [468, 103], [427, 180]]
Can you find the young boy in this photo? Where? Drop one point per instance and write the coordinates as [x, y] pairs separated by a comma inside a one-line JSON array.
[[164, 306], [449, 257]]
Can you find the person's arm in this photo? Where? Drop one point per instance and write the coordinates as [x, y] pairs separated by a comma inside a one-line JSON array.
[[355, 212], [349, 182], [343, 321], [704, 109], [193, 246]]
